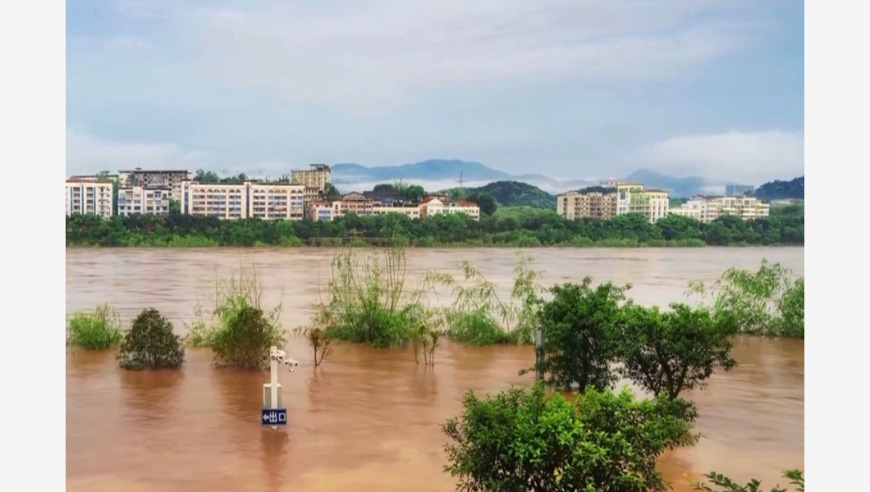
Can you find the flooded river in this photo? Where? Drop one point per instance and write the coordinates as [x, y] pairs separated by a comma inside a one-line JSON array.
[[369, 420]]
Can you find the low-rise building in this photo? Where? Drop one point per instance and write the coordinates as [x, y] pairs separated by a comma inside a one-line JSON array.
[[139, 200], [353, 202], [267, 201], [320, 211], [412, 212], [89, 196], [710, 208], [435, 206], [156, 178]]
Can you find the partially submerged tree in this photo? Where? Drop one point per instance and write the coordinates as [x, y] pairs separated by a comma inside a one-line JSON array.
[[668, 352], [528, 440], [725, 484], [246, 341], [581, 329], [151, 344]]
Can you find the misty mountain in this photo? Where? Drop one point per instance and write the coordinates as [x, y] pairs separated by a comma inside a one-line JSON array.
[[439, 173]]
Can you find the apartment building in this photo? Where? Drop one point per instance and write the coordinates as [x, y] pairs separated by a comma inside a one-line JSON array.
[[653, 204], [320, 211], [575, 205], [139, 200], [353, 202], [314, 180], [710, 208], [87, 196], [435, 206], [152, 178], [624, 192], [267, 201]]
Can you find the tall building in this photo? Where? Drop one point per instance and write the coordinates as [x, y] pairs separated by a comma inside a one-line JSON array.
[[624, 192], [314, 180], [155, 178], [88, 196], [653, 204], [738, 189], [575, 205], [267, 201], [139, 200], [708, 209]]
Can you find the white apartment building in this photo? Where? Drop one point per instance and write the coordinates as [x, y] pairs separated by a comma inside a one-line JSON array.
[[708, 209], [624, 192], [155, 178], [653, 204], [435, 206], [139, 200], [267, 201], [88, 197]]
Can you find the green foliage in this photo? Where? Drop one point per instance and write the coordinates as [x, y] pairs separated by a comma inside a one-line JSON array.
[[725, 484], [414, 193], [246, 340], [150, 343], [479, 316], [369, 301], [526, 440], [766, 302], [668, 352], [581, 328], [231, 295], [174, 206], [485, 201], [507, 226], [515, 193], [777, 190], [331, 192], [94, 331], [202, 176]]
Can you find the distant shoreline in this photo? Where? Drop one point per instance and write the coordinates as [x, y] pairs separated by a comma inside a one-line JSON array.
[[667, 245]]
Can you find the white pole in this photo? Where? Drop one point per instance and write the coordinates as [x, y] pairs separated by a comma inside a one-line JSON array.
[[274, 377]]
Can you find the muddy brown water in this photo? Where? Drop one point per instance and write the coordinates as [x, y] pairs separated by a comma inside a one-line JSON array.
[[369, 420]]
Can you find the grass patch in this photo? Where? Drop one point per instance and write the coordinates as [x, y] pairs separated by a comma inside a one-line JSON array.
[[99, 330]]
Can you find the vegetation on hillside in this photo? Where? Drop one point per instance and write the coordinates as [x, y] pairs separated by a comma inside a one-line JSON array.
[[777, 190], [508, 226], [515, 193]]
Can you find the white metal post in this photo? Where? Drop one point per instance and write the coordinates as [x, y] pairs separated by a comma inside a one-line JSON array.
[[273, 367]]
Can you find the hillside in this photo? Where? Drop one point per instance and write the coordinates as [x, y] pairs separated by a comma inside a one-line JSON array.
[[778, 190], [516, 194]]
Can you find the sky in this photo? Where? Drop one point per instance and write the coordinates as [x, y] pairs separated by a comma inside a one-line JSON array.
[[566, 88]]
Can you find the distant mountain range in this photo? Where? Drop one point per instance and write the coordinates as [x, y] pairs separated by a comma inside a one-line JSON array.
[[442, 173]]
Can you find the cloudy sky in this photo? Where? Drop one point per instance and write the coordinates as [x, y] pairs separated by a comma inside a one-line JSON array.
[[567, 88]]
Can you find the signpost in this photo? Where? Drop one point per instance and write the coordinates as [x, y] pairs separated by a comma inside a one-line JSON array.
[[272, 413]]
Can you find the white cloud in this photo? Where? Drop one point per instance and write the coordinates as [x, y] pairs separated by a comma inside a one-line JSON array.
[[365, 54], [87, 154], [751, 158]]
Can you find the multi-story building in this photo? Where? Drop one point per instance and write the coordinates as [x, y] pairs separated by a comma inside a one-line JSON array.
[[139, 200], [434, 206], [88, 196], [709, 208], [653, 204], [314, 180], [145, 178], [353, 202], [267, 201], [320, 211], [575, 205], [624, 192]]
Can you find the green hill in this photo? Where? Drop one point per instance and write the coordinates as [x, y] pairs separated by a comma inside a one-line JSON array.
[[516, 194]]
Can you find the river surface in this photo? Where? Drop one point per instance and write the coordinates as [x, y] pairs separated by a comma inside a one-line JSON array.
[[369, 420]]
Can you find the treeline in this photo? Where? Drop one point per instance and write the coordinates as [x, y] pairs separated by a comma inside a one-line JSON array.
[[514, 227], [778, 190]]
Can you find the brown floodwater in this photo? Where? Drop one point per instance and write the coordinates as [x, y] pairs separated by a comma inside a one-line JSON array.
[[369, 420]]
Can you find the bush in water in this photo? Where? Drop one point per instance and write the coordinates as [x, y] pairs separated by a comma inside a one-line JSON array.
[[725, 484], [246, 340], [150, 343], [95, 331], [527, 440]]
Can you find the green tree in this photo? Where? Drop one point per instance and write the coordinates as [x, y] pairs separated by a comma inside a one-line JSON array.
[[174, 207], [725, 484], [384, 187], [581, 329], [528, 440], [414, 193], [331, 192], [202, 176], [668, 352], [246, 340], [485, 201], [150, 343]]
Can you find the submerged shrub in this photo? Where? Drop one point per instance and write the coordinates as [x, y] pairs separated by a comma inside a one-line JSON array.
[[150, 343], [95, 331], [725, 484], [246, 340]]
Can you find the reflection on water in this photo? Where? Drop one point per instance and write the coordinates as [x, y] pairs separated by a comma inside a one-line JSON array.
[[370, 419]]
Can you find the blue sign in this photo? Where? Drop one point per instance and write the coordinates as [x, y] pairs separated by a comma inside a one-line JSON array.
[[274, 416]]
